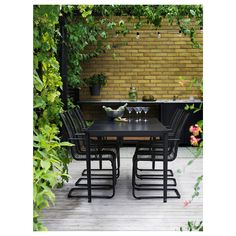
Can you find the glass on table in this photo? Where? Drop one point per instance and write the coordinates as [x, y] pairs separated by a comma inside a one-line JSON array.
[[137, 110], [140, 112], [129, 109], [145, 110]]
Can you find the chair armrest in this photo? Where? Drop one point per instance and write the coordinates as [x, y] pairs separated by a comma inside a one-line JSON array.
[[80, 134], [76, 139]]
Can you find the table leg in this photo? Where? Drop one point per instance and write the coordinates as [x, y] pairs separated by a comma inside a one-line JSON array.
[[165, 167], [99, 151], [88, 162]]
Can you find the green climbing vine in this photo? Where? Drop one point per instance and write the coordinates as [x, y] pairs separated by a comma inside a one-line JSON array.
[[89, 27], [49, 157]]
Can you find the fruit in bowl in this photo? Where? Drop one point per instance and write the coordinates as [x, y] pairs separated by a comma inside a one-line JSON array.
[[111, 113]]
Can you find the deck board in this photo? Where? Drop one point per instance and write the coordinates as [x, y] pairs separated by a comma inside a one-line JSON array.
[[123, 212]]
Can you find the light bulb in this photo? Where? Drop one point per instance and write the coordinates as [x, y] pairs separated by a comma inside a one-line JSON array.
[[180, 33], [158, 35], [201, 29], [137, 35]]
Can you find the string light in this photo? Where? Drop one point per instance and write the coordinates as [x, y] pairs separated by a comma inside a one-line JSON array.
[[201, 29], [180, 33], [158, 35], [137, 35]]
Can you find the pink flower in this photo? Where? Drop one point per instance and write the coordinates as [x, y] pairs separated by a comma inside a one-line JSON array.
[[186, 203], [194, 141], [195, 130]]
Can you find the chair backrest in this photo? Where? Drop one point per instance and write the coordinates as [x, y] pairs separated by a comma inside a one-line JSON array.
[[173, 145], [70, 129], [77, 127], [175, 118], [80, 116]]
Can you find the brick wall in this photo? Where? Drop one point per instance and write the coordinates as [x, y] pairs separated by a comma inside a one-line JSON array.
[[153, 65]]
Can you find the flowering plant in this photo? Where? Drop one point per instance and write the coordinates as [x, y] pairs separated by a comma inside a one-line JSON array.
[[196, 131]]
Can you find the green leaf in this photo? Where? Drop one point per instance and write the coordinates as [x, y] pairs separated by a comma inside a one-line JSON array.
[[190, 162], [38, 83], [192, 12], [200, 123], [39, 102], [187, 21], [186, 107], [108, 47], [45, 164], [66, 144], [111, 25], [52, 96], [103, 34]]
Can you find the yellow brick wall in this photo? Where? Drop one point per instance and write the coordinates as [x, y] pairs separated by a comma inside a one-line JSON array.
[[153, 65]]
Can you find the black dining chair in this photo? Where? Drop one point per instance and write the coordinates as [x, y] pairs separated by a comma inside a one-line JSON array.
[[153, 151], [172, 125], [79, 121], [78, 152]]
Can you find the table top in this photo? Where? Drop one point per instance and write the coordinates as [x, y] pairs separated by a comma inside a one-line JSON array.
[[152, 127]]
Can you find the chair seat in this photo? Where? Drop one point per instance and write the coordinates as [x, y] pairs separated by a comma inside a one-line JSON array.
[[147, 155]]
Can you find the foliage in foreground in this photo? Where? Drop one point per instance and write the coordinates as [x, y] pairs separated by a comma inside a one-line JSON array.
[[193, 226], [196, 140], [50, 159]]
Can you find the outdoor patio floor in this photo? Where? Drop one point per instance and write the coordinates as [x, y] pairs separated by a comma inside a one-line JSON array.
[[123, 212]]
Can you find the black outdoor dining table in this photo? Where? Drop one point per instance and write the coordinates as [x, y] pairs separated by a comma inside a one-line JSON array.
[[150, 128]]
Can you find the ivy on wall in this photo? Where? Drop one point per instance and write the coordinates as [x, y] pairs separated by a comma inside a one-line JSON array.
[[49, 157], [88, 28]]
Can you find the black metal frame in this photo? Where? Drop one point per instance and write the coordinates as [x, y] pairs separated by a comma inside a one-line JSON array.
[[155, 151], [101, 142], [108, 128], [79, 154]]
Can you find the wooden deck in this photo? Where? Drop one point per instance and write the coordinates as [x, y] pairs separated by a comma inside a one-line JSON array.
[[123, 212]]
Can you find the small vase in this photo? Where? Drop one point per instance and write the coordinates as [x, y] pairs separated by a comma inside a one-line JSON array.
[[133, 94]]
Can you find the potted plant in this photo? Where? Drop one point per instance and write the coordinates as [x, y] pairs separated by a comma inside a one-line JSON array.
[[95, 82]]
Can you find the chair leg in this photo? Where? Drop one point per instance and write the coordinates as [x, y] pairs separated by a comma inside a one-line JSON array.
[[169, 172], [113, 163], [151, 187], [81, 179], [173, 184], [84, 172], [83, 187], [118, 161], [134, 169]]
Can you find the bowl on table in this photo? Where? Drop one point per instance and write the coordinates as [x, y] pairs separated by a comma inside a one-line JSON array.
[[115, 113]]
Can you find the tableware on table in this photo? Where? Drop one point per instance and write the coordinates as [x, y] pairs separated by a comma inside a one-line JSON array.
[[137, 110], [111, 113], [145, 110], [140, 113], [129, 109]]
